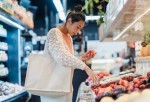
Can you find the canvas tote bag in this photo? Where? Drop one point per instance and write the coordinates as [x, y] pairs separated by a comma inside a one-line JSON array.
[[46, 77]]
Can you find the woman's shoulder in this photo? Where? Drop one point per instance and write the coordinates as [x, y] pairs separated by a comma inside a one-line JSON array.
[[54, 30]]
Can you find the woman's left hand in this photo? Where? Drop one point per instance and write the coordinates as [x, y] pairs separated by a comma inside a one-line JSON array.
[[88, 55]]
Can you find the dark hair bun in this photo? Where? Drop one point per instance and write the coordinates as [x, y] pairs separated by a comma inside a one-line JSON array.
[[78, 8]]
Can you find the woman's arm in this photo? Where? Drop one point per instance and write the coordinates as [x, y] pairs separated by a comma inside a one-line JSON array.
[[57, 49]]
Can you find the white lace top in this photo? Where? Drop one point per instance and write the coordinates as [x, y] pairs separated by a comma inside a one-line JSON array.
[[57, 47]]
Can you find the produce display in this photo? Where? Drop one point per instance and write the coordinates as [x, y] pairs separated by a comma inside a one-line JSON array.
[[116, 85], [3, 33], [3, 70], [9, 89], [13, 8], [3, 56], [3, 46]]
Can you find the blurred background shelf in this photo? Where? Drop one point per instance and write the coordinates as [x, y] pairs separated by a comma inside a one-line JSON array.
[[14, 97]]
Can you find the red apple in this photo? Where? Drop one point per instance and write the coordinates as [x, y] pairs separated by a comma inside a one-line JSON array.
[[136, 81], [92, 52], [142, 86], [101, 92], [130, 87], [96, 91], [142, 77], [148, 74], [125, 83], [120, 82], [103, 86]]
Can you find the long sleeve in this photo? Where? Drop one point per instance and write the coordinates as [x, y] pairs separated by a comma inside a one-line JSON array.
[[55, 46]]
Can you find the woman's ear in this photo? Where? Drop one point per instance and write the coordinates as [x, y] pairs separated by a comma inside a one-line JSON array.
[[69, 21]]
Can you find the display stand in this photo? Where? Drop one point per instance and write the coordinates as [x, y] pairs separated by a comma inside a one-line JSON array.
[[85, 94], [121, 22], [142, 65], [14, 97], [13, 27]]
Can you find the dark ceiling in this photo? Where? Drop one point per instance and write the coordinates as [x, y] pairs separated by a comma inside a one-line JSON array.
[[40, 4], [42, 8]]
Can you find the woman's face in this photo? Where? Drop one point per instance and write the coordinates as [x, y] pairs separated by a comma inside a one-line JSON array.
[[76, 27]]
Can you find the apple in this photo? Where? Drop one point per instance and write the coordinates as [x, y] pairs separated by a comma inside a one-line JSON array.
[[130, 78], [92, 51], [136, 89], [101, 92], [142, 77], [96, 91], [108, 89], [125, 83], [130, 87], [136, 81], [142, 86], [136, 85], [148, 74]]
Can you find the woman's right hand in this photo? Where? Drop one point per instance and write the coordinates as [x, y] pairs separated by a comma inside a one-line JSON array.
[[91, 74]]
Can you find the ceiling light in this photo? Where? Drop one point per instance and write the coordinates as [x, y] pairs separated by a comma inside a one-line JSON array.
[[92, 18], [61, 12], [62, 16], [58, 5]]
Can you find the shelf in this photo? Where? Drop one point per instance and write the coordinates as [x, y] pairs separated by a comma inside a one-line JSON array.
[[3, 50], [12, 20], [2, 36], [142, 58], [121, 27], [13, 97], [113, 21], [2, 77], [3, 61]]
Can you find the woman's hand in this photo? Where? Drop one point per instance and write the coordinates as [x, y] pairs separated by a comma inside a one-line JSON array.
[[91, 74], [88, 55]]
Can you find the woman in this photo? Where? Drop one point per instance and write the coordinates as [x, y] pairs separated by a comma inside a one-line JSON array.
[[59, 44]]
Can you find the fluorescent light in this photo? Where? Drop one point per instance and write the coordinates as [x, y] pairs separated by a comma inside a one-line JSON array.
[[131, 25], [58, 5], [61, 12], [62, 16], [8, 21], [92, 17]]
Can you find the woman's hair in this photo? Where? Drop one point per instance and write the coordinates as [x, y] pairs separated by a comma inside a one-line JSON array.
[[76, 15]]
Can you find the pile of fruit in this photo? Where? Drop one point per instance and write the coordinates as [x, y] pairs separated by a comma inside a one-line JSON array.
[[9, 88], [114, 86], [100, 76]]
